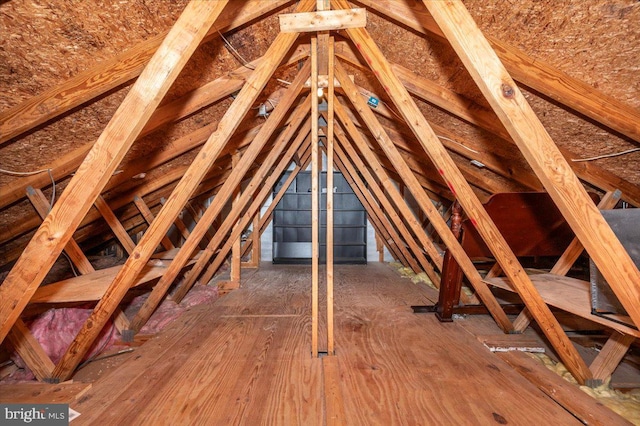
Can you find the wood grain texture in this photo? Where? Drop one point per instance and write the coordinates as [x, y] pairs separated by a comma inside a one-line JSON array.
[[582, 406], [377, 216], [181, 194], [30, 350], [91, 287], [248, 158], [532, 72], [264, 179], [172, 111], [323, 20], [315, 208], [115, 225], [333, 399], [351, 159], [102, 160], [568, 294], [471, 204], [421, 197], [149, 217], [540, 152], [486, 119], [40, 393], [111, 73], [245, 360], [72, 249], [567, 259], [393, 240], [610, 355], [225, 191], [391, 191]]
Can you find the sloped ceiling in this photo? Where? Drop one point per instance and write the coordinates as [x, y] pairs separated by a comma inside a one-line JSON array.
[[50, 43], [46, 43]]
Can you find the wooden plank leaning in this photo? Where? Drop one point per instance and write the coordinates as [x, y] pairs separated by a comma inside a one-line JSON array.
[[540, 152]]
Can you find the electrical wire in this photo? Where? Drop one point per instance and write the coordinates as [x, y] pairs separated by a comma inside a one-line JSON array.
[[49, 171], [73, 269], [458, 143], [598, 157], [234, 52]]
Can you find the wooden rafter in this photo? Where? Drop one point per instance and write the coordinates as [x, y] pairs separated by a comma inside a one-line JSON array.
[[113, 73], [423, 200], [216, 207], [392, 193], [175, 110], [106, 154], [265, 179], [541, 152], [529, 71], [398, 242], [193, 176], [475, 114]]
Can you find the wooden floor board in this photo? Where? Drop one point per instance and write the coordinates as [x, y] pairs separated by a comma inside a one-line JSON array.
[[245, 359]]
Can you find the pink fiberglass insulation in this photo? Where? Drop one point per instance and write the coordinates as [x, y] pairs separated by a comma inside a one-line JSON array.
[[55, 329]]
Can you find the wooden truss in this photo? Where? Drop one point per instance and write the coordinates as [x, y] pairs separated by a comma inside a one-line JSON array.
[[369, 153]]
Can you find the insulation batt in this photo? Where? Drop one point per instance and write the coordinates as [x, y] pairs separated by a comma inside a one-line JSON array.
[[55, 329]]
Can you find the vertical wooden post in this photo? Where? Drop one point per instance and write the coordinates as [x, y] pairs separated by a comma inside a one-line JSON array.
[[379, 247], [221, 199], [180, 195], [314, 197], [262, 179], [329, 139], [255, 243], [235, 249], [451, 284], [256, 254]]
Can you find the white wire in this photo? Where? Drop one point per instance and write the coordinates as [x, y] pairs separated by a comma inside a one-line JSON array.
[[598, 157], [458, 143], [49, 171], [235, 53]]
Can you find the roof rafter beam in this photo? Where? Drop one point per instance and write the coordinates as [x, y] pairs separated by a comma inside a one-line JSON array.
[[487, 120], [265, 179], [350, 159], [421, 198], [173, 111], [114, 72], [541, 152], [472, 206], [114, 142], [537, 74], [238, 172]]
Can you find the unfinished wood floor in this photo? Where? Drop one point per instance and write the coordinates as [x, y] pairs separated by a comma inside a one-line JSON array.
[[246, 360]]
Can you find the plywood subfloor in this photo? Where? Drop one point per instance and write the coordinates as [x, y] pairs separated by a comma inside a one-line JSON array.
[[245, 359]]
